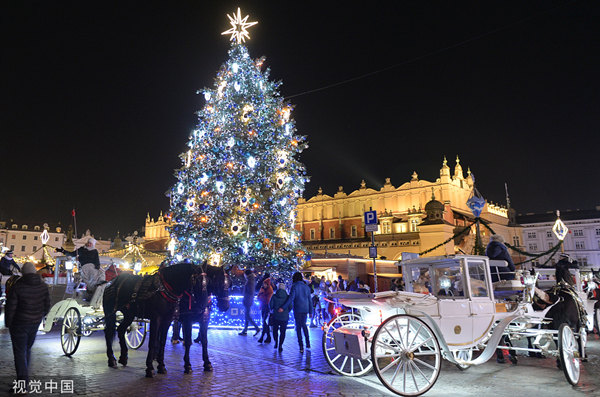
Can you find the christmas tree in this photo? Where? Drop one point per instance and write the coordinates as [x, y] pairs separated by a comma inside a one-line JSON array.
[[235, 198]]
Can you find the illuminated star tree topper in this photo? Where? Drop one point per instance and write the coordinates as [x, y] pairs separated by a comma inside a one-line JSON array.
[[239, 27]]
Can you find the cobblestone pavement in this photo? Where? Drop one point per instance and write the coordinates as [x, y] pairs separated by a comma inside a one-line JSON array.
[[243, 367]]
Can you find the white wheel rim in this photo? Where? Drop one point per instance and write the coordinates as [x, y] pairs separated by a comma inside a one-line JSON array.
[[135, 334], [69, 333], [342, 364], [407, 356], [569, 347]]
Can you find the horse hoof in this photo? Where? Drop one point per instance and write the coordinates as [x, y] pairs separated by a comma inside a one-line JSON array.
[[208, 367], [187, 369], [197, 340], [161, 369], [123, 360], [513, 359], [149, 373], [112, 363]]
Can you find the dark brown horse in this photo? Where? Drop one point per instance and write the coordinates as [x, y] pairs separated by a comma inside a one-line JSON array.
[[151, 297], [195, 307]]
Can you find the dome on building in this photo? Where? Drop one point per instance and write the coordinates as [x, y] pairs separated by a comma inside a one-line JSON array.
[[434, 210]]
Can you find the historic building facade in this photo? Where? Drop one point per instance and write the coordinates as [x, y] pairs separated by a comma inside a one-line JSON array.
[[413, 217], [25, 239], [582, 241], [156, 233]]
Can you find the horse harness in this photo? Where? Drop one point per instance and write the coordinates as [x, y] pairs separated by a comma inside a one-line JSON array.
[[563, 287]]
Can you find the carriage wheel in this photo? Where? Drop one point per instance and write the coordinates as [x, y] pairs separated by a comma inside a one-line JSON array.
[[567, 346], [135, 335], [342, 364], [406, 355], [464, 355], [70, 332]]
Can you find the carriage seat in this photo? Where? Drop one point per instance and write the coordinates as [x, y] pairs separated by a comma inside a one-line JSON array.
[[96, 301]]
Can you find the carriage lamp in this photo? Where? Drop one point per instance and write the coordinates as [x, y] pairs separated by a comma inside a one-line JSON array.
[[69, 265]]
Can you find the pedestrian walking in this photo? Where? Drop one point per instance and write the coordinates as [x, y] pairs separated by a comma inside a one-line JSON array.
[[279, 319], [27, 302], [248, 301], [300, 302], [264, 296]]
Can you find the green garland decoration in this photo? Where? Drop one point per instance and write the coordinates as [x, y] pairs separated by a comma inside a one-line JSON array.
[[457, 234], [552, 250]]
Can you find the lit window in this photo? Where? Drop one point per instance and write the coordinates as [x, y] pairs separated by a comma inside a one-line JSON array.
[[413, 225], [533, 247], [387, 227]]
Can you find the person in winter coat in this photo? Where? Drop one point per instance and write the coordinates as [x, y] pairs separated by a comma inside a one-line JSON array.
[[496, 250], [91, 272], [248, 302], [27, 303], [8, 266], [264, 296], [300, 302], [280, 318]]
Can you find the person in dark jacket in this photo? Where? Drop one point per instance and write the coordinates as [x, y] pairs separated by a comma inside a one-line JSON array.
[[301, 303], [27, 303], [8, 266], [279, 319], [248, 302], [86, 254], [496, 250]]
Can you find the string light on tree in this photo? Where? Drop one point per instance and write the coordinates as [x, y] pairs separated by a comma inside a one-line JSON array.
[[238, 188]]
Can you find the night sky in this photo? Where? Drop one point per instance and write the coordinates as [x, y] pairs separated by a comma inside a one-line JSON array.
[[98, 98]]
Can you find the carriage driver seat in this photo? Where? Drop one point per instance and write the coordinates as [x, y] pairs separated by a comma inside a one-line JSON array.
[[96, 301]]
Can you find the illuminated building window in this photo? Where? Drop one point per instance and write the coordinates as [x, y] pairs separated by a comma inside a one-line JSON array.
[[413, 225], [312, 234], [353, 231], [532, 247], [331, 232], [387, 227]]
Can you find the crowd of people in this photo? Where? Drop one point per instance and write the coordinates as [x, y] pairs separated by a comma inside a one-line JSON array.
[[306, 298]]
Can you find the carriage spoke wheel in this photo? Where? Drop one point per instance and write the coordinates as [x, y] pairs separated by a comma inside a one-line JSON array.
[[340, 363], [406, 355], [568, 354], [464, 355], [70, 332], [135, 335]]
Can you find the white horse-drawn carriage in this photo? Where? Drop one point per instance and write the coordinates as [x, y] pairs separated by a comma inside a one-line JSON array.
[[448, 311], [79, 317]]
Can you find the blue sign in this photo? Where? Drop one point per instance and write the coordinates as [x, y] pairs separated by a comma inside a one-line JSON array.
[[370, 217]]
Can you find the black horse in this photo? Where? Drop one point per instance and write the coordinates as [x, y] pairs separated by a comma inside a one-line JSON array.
[[567, 307], [194, 306], [152, 297]]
